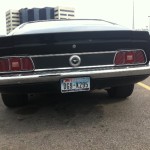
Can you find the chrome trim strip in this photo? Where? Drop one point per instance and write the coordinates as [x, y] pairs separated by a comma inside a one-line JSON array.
[[68, 54], [56, 76], [67, 68]]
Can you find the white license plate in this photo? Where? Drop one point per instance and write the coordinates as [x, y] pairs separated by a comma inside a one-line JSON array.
[[75, 84]]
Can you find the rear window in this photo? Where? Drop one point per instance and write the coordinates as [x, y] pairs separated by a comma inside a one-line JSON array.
[[50, 26]]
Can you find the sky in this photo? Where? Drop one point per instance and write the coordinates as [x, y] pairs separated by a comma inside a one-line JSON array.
[[118, 11]]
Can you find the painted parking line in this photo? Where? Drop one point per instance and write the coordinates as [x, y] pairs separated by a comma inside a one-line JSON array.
[[144, 86]]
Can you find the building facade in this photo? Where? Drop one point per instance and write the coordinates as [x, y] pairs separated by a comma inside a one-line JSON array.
[[23, 13], [12, 20], [16, 17], [46, 13], [29, 14], [64, 12], [35, 14]]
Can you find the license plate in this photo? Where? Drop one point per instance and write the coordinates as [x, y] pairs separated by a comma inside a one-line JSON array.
[[75, 84]]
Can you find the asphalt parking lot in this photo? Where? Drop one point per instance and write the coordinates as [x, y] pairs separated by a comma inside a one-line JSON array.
[[82, 121]]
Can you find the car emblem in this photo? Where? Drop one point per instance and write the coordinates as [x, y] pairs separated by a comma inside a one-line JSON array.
[[75, 60]]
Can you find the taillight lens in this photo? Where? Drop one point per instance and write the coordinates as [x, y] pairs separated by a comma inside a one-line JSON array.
[[139, 57], [130, 57], [13, 64], [4, 65], [120, 58], [27, 64]]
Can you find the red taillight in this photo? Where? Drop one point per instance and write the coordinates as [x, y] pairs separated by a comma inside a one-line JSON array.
[[27, 64], [130, 57], [16, 64], [139, 57], [4, 65], [120, 58]]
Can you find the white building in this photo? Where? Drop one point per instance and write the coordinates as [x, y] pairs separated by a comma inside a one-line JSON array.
[[64, 13], [12, 20]]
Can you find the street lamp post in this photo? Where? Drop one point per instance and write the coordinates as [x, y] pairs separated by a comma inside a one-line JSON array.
[[133, 16], [149, 23]]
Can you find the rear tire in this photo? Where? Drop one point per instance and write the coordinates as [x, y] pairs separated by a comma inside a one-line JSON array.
[[121, 91], [14, 100]]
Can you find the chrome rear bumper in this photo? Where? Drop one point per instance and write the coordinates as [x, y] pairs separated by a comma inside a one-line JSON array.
[[49, 76]]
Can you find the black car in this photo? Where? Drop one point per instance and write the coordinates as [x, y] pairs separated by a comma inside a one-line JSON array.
[[71, 56]]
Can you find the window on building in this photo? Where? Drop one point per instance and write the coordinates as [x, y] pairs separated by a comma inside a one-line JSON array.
[[71, 15], [15, 24], [63, 14], [67, 10], [15, 21], [8, 18], [15, 17], [15, 13], [7, 14]]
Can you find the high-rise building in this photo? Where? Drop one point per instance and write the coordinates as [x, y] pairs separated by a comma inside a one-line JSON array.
[[12, 20], [16, 17], [36, 14], [64, 12], [23, 15], [46, 13], [33, 14]]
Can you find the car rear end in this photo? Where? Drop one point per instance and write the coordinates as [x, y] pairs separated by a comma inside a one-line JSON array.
[[73, 60]]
